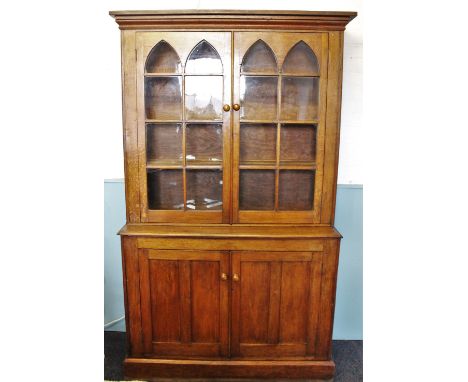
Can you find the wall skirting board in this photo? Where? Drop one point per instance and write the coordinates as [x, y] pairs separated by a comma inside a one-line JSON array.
[[348, 220]]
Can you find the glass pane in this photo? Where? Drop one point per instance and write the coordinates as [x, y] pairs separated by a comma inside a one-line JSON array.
[[203, 97], [260, 59], [164, 142], [301, 59], [296, 190], [257, 142], [204, 143], [298, 143], [204, 59], [165, 190], [257, 190], [299, 98], [163, 98], [204, 189], [258, 97], [163, 59]]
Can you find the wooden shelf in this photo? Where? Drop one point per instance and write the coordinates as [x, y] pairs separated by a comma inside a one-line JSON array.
[[178, 165], [163, 121], [308, 122], [255, 164], [158, 164], [259, 121], [287, 165], [194, 165], [271, 165], [200, 122], [299, 75]]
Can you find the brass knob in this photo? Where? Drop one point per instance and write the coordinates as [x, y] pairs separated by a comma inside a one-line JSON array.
[[235, 277], [226, 107], [224, 276], [236, 106]]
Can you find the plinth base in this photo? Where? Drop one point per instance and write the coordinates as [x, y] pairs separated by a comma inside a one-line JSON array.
[[147, 368]]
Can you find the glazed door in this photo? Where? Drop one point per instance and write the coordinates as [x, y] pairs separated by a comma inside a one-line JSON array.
[[184, 303], [275, 304], [279, 128], [184, 135]]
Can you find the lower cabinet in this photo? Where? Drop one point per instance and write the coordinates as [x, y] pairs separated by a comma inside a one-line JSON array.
[[238, 304]]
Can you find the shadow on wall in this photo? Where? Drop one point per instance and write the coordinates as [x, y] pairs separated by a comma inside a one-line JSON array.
[[348, 220]]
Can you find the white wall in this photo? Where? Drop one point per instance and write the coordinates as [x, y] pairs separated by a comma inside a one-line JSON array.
[[108, 50]]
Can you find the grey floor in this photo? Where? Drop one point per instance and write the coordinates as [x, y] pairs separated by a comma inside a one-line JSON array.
[[347, 356]]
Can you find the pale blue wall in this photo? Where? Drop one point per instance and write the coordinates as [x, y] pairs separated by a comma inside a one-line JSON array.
[[348, 220], [348, 314], [114, 219]]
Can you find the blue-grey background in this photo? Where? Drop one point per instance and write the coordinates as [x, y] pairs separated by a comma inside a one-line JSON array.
[[348, 220]]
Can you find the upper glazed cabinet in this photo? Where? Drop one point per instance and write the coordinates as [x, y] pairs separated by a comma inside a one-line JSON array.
[[231, 127]]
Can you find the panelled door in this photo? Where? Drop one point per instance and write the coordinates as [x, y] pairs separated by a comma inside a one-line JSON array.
[[279, 91], [184, 135], [185, 132], [275, 304], [271, 312], [184, 303]]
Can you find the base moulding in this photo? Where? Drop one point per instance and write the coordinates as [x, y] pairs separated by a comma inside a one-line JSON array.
[[170, 368]]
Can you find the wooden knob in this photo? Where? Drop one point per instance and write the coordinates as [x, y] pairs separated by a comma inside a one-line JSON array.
[[224, 276], [235, 277], [226, 107], [236, 106]]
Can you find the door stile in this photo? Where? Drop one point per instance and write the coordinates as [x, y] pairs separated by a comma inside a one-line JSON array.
[[141, 131], [235, 126], [235, 305], [224, 305], [321, 130], [275, 302], [145, 301], [314, 301], [227, 126], [185, 301]]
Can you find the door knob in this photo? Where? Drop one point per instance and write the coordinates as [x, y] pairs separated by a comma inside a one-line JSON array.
[[236, 106], [224, 276], [236, 277], [226, 107]]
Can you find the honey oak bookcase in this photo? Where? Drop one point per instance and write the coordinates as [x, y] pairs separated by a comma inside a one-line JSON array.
[[231, 133]]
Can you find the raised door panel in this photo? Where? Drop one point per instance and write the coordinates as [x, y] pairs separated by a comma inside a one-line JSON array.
[[280, 83], [184, 303], [275, 304], [183, 79]]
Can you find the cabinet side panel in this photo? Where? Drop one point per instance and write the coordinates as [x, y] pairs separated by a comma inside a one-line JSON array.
[[129, 118], [332, 134], [327, 299], [132, 295]]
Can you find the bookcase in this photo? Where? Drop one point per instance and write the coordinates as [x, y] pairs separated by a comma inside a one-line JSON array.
[[231, 136]]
